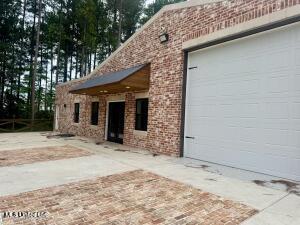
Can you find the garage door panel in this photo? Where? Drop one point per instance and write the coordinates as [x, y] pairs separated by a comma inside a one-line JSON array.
[[295, 140], [279, 84], [276, 137], [282, 151], [296, 110], [276, 110], [243, 104], [296, 124], [246, 110], [297, 57], [209, 90], [227, 152], [297, 79], [280, 59], [277, 124], [281, 165]]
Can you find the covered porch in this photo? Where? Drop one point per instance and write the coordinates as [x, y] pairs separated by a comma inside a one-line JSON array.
[[134, 79], [124, 95]]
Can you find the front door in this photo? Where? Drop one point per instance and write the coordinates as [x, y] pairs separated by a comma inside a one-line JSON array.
[[116, 113]]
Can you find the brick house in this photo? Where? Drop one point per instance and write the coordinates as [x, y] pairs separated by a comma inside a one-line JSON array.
[[173, 89]]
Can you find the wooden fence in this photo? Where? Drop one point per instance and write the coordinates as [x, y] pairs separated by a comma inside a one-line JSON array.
[[23, 125]]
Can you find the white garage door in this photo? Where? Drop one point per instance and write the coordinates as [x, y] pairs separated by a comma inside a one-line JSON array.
[[243, 103]]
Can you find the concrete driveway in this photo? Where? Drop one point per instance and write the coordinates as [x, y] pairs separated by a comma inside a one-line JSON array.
[[66, 165]]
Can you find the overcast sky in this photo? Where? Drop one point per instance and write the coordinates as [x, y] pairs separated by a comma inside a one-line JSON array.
[[149, 1]]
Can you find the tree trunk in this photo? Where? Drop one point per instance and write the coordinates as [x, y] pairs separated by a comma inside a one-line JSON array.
[[29, 97], [120, 24], [66, 67], [13, 71], [83, 54], [46, 84], [21, 58], [97, 41], [40, 81], [3, 82], [90, 61], [95, 58], [76, 65], [51, 78], [35, 65], [71, 67], [59, 44]]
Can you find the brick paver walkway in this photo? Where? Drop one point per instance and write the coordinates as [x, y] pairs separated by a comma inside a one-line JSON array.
[[32, 155], [135, 197]]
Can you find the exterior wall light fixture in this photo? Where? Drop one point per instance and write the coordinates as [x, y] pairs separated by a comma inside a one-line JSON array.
[[164, 37]]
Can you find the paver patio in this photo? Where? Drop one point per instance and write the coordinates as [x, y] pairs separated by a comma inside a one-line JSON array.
[[162, 190], [32, 155], [135, 197]]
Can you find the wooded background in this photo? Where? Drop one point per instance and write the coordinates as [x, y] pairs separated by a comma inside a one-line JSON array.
[[44, 42]]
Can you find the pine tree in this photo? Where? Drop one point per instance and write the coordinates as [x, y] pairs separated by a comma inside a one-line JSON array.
[[74, 36]]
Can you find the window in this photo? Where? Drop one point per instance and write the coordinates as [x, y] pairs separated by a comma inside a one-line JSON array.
[[141, 114], [94, 113], [76, 113]]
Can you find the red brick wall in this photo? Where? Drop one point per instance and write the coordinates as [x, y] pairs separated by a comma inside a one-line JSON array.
[[166, 60]]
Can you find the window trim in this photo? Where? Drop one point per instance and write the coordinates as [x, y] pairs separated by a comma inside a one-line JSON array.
[[91, 118], [140, 133], [136, 115]]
